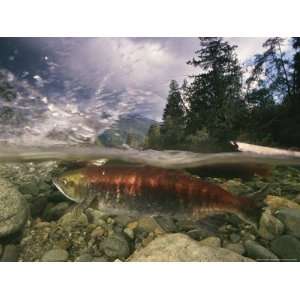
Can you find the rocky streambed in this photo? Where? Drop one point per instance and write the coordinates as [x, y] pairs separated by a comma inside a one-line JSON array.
[[37, 223]]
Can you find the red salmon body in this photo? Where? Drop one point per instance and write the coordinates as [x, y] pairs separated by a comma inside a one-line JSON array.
[[152, 190]]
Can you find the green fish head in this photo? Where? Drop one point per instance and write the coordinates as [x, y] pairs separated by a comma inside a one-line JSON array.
[[70, 185]]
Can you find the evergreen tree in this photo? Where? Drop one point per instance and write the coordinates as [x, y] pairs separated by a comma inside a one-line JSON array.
[[173, 118], [296, 66], [215, 94], [153, 140], [130, 139], [276, 77], [272, 69]]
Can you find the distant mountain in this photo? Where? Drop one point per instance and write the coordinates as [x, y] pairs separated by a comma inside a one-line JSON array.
[[131, 126]]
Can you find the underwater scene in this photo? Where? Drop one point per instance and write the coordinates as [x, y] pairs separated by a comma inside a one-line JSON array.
[[150, 149]]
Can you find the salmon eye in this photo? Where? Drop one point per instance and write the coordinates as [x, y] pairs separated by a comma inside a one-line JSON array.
[[71, 183]]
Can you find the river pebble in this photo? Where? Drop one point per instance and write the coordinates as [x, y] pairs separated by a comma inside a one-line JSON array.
[[198, 233], [211, 241], [258, 252], [75, 218], [84, 258], [10, 253], [180, 247], [166, 223], [291, 219], [55, 255], [269, 226], [13, 209], [129, 232], [149, 224], [115, 247], [287, 247], [236, 247], [235, 237], [54, 212], [276, 202]]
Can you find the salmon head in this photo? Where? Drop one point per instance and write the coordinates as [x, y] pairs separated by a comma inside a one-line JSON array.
[[70, 184]]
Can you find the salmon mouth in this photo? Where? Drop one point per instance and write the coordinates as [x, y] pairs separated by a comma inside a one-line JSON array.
[[55, 181]]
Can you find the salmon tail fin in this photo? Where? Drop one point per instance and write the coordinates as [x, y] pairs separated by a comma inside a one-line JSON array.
[[251, 205], [250, 211], [259, 196]]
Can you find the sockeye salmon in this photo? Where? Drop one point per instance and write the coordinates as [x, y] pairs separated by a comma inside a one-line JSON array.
[[152, 191]]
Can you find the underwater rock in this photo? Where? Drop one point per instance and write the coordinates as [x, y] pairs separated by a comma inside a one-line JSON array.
[[36, 204], [291, 219], [297, 199], [150, 237], [31, 188], [236, 187], [211, 241], [55, 255], [98, 233], [100, 259], [115, 246], [73, 219], [180, 247], [32, 180], [13, 209], [84, 258], [275, 202], [258, 252], [235, 237], [1, 249], [10, 253], [129, 232], [96, 216], [124, 219], [236, 247], [286, 247], [198, 233], [269, 226], [166, 223], [54, 212], [186, 224], [149, 224]]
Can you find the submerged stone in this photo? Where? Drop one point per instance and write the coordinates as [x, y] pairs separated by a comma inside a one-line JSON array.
[[10, 253], [275, 202], [115, 247], [198, 233], [55, 255], [13, 209], [258, 252], [73, 219], [236, 247], [84, 258], [167, 223], [211, 241], [54, 212], [269, 226], [287, 247], [180, 247], [291, 219], [149, 224]]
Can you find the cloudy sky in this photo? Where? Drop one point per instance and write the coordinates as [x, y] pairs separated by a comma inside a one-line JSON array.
[[86, 84], [124, 74]]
